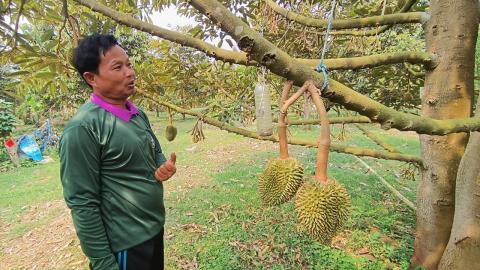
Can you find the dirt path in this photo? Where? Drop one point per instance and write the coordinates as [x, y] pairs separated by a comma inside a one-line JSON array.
[[54, 245], [50, 246]]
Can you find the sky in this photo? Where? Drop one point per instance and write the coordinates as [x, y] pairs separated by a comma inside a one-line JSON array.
[[169, 19]]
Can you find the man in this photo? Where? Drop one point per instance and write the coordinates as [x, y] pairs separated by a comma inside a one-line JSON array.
[[112, 166]]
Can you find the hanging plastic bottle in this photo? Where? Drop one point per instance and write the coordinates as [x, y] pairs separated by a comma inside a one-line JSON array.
[[263, 110]]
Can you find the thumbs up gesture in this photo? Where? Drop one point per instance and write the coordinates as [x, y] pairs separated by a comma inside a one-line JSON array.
[[167, 169]]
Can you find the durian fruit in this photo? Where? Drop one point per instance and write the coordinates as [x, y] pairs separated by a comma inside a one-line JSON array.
[[322, 205], [322, 209], [170, 132], [283, 175], [280, 181]]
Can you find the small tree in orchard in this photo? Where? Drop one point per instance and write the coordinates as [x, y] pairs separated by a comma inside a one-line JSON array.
[[381, 54]]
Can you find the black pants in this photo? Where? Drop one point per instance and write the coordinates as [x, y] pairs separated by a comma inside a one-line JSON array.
[[145, 256]]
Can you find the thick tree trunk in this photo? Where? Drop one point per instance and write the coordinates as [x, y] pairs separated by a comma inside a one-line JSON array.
[[451, 34], [463, 249]]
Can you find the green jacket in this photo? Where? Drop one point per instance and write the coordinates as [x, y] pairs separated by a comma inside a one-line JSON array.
[[107, 172]]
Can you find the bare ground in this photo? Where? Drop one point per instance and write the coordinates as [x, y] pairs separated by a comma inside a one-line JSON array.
[[54, 245]]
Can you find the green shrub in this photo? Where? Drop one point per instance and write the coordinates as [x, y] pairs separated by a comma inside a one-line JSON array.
[[7, 118]]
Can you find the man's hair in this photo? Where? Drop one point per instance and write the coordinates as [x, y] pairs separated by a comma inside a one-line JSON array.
[[86, 56]]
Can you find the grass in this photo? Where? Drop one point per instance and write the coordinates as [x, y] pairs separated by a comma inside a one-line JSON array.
[[218, 222], [24, 187], [228, 229]]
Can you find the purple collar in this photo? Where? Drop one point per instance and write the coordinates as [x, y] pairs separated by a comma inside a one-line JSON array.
[[124, 114]]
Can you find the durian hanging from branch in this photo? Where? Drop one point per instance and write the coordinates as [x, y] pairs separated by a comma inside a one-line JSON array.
[[322, 204], [170, 130], [283, 175]]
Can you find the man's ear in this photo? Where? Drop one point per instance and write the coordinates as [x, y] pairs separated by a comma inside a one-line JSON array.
[[89, 78]]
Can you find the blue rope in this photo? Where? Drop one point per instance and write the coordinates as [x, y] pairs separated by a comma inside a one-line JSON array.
[[321, 67]]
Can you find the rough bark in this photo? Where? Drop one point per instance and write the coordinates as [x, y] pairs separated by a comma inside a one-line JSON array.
[[463, 249], [389, 19], [451, 34], [427, 59]]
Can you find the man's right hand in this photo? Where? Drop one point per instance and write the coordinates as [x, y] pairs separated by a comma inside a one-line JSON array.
[[167, 169]]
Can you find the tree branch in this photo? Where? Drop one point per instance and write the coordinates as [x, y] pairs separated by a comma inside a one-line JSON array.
[[65, 19], [241, 58], [390, 19], [182, 39], [17, 22], [332, 120], [280, 63], [283, 65], [375, 31], [377, 139], [390, 187], [250, 134], [430, 61], [76, 31]]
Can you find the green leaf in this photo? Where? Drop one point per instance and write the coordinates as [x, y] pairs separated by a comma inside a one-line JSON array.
[[18, 73], [45, 75], [51, 44]]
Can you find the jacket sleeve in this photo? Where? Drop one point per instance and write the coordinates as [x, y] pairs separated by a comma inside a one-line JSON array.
[[79, 172]]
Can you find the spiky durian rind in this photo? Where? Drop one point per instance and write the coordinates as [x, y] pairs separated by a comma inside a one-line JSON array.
[[280, 181], [322, 209]]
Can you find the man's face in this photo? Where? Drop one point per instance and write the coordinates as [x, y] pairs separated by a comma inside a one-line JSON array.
[[115, 79]]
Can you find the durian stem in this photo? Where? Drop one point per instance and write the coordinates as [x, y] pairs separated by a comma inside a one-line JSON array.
[[282, 127], [170, 120], [324, 141], [285, 104], [292, 99], [282, 139], [286, 89]]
